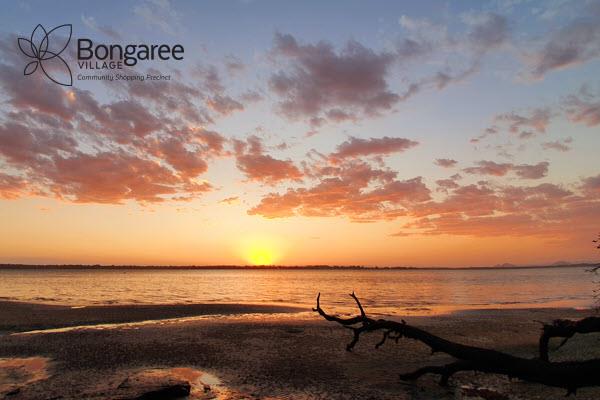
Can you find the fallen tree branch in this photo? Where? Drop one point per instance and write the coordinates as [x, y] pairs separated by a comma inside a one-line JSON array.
[[566, 329], [569, 375], [444, 371]]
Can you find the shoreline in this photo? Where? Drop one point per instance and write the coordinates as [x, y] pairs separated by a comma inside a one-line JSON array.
[[282, 356], [26, 317], [17, 316]]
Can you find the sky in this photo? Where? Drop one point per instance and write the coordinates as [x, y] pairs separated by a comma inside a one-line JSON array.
[[381, 133]]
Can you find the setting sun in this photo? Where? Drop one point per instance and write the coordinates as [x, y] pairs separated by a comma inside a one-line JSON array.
[[260, 256], [261, 249]]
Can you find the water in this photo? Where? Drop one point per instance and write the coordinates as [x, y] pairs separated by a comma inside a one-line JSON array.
[[381, 291]]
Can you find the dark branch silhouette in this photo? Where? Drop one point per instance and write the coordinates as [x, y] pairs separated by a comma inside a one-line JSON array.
[[569, 375], [566, 329]]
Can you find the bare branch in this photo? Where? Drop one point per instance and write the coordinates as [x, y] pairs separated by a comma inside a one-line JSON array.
[[569, 375], [565, 328]]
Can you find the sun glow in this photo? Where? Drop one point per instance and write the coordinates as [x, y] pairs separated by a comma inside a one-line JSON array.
[[261, 250], [261, 256]]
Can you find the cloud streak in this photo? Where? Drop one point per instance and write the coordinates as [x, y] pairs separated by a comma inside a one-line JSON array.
[[356, 147], [523, 171], [573, 44]]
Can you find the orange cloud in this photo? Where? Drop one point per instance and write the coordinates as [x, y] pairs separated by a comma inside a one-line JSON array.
[[146, 146], [260, 167], [11, 187], [344, 191], [112, 178]]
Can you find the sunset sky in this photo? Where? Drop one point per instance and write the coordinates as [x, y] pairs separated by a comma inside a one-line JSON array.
[[375, 133]]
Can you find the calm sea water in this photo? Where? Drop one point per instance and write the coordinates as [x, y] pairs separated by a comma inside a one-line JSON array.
[[382, 291]]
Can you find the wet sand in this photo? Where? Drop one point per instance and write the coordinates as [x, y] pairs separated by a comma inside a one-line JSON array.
[[20, 317], [281, 356]]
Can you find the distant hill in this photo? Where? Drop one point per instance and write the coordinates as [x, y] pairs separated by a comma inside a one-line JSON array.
[[505, 265], [562, 263]]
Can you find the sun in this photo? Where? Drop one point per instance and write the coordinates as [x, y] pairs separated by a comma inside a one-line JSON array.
[[261, 249], [260, 255]]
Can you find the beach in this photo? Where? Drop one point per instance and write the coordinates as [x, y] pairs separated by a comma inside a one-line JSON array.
[[256, 352]]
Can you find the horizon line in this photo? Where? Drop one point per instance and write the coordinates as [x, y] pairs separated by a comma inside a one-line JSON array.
[[15, 266]]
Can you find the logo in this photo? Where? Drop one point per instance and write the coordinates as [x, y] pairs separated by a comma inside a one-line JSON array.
[[45, 49], [110, 61]]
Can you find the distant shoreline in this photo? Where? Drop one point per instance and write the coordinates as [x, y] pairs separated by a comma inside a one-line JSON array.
[[272, 267]]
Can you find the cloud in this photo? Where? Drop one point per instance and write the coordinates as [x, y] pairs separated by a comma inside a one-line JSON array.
[[57, 168], [351, 188], [34, 93], [210, 78], [526, 125], [423, 38], [489, 131], [362, 194], [187, 163], [445, 184], [545, 210], [356, 147], [409, 49], [173, 96], [319, 79], [523, 125], [536, 171], [489, 168], [218, 100], [573, 44], [130, 116], [25, 147], [341, 197], [558, 145], [234, 65], [230, 200], [11, 187], [260, 167], [524, 171], [110, 178], [251, 96], [224, 104], [488, 31], [316, 79], [445, 162], [485, 32], [583, 108], [144, 143], [591, 185]]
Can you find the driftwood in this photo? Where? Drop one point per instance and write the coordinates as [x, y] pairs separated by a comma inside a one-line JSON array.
[[566, 329], [570, 375]]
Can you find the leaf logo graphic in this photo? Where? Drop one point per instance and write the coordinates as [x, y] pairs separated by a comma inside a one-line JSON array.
[[45, 48]]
